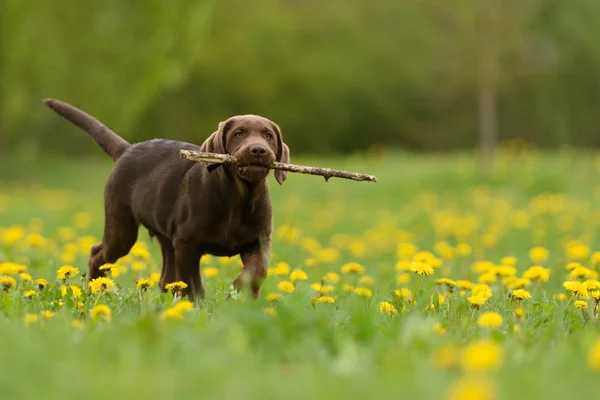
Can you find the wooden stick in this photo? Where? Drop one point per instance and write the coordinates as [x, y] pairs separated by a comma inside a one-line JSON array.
[[326, 173]]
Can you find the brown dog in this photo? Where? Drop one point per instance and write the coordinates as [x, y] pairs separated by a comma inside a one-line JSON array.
[[192, 210]]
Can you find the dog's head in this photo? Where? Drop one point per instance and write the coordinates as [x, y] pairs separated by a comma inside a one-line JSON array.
[[255, 141]]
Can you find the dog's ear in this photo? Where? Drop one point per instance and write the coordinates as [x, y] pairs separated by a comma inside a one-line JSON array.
[[217, 142], [283, 155]]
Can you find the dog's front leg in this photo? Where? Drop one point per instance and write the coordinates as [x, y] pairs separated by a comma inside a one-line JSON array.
[[187, 270], [256, 262]]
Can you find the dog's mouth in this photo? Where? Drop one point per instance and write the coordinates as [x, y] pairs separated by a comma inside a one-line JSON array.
[[253, 171]]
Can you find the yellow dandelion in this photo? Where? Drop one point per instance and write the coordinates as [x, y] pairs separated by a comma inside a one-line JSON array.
[[30, 293], [490, 319], [66, 272], [403, 278], [476, 301], [519, 312], [47, 314], [403, 265], [509, 260], [138, 266], [155, 277], [25, 276], [144, 284], [482, 355], [404, 293], [177, 311], [581, 304], [560, 297], [592, 285], [274, 297], [577, 288], [78, 324], [449, 283], [74, 289], [41, 283], [176, 286], [366, 280], [210, 272], [331, 277], [538, 254], [9, 268], [464, 284], [386, 307], [593, 357], [298, 275], [270, 311], [482, 290], [488, 277], [347, 288], [139, 250], [280, 269], [537, 273], [101, 311], [421, 268], [472, 388], [363, 292], [7, 282], [406, 250], [520, 294], [323, 289], [101, 284], [463, 249], [286, 286], [324, 299], [30, 319], [353, 268]]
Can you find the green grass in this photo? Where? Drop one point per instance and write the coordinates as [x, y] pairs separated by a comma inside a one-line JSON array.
[[344, 350]]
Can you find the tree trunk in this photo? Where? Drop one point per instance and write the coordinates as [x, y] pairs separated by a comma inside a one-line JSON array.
[[488, 78]]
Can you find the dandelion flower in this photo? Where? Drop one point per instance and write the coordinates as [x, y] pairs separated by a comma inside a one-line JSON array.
[[101, 284], [476, 301], [31, 319], [30, 293], [449, 283], [490, 319], [101, 311], [176, 312], [403, 278], [464, 284], [347, 288], [286, 286], [560, 297], [581, 304], [406, 250], [274, 297], [331, 277], [363, 292], [403, 265], [386, 307], [582, 273], [463, 249], [144, 284], [353, 268], [537, 273], [324, 299], [482, 355], [270, 311], [298, 275], [577, 288], [482, 290], [323, 289], [592, 285], [176, 286], [520, 294], [41, 283], [155, 277], [538, 254], [519, 312], [25, 276], [404, 293], [366, 280], [75, 290], [9, 268], [7, 282], [66, 272], [509, 260], [210, 272], [47, 314], [421, 268], [593, 357], [78, 324], [472, 388]]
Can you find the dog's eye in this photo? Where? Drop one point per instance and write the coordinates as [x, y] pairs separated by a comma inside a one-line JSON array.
[[239, 133], [269, 135]]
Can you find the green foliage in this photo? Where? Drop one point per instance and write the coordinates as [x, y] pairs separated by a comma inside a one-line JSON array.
[[337, 76]]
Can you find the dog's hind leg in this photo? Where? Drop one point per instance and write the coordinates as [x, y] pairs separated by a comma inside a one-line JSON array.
[[120, 234], [167, 274]]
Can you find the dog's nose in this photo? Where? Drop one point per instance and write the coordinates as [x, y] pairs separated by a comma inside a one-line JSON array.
[[258, 150]]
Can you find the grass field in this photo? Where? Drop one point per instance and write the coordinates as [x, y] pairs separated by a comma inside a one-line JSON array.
[[374, 317]]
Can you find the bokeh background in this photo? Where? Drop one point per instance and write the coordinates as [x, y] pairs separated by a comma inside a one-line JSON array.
[[338, 76]]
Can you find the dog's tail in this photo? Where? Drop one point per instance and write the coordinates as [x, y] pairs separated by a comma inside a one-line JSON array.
[[113, 144]]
